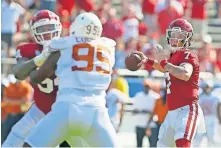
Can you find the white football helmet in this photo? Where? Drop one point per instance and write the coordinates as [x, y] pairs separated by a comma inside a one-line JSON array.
[[86, 25]]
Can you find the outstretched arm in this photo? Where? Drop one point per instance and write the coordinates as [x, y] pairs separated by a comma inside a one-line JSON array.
[[183, 71], [23, 68], [153, 63], [46, 70]]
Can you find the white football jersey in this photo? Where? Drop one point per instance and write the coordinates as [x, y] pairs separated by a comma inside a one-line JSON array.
[[84, 63]]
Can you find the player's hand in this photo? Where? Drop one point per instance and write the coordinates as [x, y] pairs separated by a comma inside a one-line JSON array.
[[40, 59], [161, 54], [143, 57]]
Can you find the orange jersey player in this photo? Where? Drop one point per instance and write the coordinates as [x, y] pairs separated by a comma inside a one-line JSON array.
[[181, 68]]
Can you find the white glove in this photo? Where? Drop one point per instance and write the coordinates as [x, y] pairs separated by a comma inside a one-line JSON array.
[[40, 59]]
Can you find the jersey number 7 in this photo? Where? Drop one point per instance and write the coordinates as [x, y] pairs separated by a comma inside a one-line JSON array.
[[89, 57]]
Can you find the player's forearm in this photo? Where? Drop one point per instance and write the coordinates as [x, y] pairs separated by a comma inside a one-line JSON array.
[[46, 70], [37, 76], [22, 71], [177, 71], [157, 66]]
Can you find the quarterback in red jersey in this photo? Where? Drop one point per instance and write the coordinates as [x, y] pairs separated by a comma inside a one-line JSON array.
[[45, 26], [181, 68]]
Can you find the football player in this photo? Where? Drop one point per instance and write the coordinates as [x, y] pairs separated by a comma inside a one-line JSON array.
[[83, 62], [45, 26], [181, 68]]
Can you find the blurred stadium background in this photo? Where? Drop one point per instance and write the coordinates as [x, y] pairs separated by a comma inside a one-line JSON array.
[[133, 24]]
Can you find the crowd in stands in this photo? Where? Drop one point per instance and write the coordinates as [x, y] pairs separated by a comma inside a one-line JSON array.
[[133, 24]]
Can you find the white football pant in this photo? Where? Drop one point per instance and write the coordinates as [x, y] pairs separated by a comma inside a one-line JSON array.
[[71, 117], [181, 123], [22, 128]]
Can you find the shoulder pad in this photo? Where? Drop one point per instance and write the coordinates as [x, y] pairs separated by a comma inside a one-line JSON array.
[[108, 41], [60, 43]]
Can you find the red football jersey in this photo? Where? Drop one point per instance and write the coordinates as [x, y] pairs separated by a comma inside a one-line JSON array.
[[44, 93], [179, 92]]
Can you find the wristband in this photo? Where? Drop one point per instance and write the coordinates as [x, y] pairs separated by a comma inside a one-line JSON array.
[[40, 59], [163, 63], [150, 62]]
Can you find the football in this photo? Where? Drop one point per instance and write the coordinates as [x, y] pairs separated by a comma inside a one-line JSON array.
[[132, 62]]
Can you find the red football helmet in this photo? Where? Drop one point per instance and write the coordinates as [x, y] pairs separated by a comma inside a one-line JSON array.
[[45, 25], [179, 34]]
